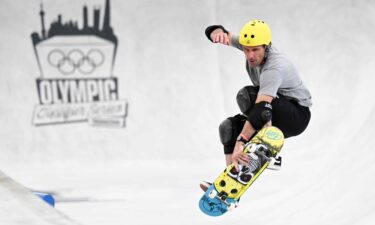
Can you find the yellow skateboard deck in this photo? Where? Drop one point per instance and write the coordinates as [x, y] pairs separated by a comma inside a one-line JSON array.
[[224, 193]]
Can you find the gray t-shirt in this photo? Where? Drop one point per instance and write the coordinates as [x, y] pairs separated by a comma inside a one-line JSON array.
[[277, 76]]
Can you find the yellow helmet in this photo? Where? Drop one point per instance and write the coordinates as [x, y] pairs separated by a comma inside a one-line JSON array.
[[254, 33]]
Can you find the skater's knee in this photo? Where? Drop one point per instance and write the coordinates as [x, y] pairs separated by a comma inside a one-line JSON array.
[[226, 131], [260, 115], [246, 97], [229, 129]]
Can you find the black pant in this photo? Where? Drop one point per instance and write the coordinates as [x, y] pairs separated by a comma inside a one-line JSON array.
[[287, 115]]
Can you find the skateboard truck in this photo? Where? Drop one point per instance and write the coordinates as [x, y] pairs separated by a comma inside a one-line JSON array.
[[222, 197]]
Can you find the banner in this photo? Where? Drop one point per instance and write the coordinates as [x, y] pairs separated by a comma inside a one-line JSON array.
[[76, 80]]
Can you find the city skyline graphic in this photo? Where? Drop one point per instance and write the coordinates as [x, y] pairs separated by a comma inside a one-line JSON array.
[[59, 27]]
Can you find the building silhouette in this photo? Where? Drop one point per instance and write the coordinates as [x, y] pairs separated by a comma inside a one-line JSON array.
[[59, 27]]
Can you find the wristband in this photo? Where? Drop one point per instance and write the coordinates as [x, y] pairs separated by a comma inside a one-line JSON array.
[[242, 138]]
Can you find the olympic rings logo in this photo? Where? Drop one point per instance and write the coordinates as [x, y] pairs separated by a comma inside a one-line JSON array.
[[75, 60]]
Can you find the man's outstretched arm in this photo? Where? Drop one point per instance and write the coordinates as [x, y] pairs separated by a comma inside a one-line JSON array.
[[218, 34]]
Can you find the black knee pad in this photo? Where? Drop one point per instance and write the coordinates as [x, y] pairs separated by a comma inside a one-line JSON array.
[[229, 129], [260, 115], [246, 97]]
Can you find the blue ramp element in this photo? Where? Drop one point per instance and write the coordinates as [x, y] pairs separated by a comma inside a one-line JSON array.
[[46, 197]]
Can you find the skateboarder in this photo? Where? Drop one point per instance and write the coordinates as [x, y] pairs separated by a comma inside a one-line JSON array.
[[277, 96]]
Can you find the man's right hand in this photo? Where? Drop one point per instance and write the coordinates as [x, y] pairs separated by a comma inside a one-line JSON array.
[[219, 36], [238, 156]]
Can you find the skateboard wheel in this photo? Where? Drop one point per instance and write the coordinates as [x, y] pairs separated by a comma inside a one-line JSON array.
[[231, 206], [212, 194]]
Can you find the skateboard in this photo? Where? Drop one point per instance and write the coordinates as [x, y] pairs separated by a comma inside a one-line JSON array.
[[223, 195]]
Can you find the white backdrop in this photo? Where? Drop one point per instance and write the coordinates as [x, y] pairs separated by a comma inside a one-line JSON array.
[[179, 87]]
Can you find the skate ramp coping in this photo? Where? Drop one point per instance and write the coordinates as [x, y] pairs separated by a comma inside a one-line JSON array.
[[20, 206]]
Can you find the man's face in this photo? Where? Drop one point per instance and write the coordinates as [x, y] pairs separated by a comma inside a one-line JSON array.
[[254, 55]]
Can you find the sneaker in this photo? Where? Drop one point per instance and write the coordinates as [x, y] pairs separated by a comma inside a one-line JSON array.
[[204, 185]]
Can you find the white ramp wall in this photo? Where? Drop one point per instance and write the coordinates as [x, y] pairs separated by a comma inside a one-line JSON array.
[[165, 72]]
